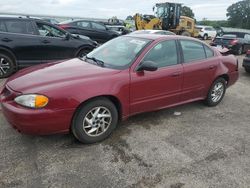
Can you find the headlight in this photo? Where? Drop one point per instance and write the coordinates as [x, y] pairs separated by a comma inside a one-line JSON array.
[[32, 100]]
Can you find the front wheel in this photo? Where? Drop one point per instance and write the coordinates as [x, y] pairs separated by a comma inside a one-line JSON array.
[[186, 33], [95, 121], [247, 70], [216, 92], [205, 37]]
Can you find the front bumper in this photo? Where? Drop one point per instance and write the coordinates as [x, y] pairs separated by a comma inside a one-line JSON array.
[[36, 121]]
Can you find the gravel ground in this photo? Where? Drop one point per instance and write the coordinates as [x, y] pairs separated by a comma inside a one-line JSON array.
[[202, 148]]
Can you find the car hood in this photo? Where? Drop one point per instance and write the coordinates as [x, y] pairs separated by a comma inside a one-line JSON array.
[[50, 74]]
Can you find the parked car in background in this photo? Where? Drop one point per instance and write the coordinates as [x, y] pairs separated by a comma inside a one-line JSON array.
[[246, 62], [27, 41], [122, 30], [51, 20], [206, 32], [236, 42], [159, 32], [97, 31], [123, 77]]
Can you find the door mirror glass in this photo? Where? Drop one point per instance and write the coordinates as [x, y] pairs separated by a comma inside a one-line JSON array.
[[147, 66]]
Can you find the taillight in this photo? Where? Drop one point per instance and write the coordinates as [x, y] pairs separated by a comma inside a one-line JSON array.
[[63, 26], [234, 42], [237, 65], [248, 52]]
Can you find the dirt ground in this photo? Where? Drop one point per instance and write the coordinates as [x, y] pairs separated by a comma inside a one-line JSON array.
[[202, 148]]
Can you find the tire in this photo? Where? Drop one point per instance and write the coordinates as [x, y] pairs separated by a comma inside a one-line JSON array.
[[247, 70], [205, 37], [83, 52], [213, 92], [240, 51], [88, 128], [7, 66], [186, 33]]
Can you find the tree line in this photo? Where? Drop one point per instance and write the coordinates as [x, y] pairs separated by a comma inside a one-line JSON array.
[[238, 16]]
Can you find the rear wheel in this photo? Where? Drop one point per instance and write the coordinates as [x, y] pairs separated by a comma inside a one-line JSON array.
[[186, 33], [7, 66], [216, 92], [83, 53], [95, 121]]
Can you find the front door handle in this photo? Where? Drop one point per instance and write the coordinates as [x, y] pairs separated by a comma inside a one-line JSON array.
[[6, 40], [176, 74], [45, 41]]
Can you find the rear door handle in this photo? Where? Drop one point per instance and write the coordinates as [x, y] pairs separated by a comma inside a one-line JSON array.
[[176, 74], [6, 40], [45, 41]]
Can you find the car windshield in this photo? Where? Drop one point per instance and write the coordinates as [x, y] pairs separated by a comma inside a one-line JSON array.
[[119, 53]]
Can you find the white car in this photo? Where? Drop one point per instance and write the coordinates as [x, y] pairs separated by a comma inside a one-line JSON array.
[[206, 32], [158, 32]]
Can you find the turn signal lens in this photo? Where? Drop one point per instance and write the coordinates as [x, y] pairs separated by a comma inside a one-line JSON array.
[[32, 100]]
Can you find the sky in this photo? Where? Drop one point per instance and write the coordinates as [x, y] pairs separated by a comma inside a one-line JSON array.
[[210, 9]]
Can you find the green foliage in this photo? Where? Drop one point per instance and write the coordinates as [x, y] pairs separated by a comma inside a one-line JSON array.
[[186, 11], [215, 24], [239, 14]]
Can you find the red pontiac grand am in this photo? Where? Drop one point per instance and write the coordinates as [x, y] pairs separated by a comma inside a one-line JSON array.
[[125, 76]]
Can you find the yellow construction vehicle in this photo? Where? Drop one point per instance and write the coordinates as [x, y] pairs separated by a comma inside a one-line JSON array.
[[167, 18]]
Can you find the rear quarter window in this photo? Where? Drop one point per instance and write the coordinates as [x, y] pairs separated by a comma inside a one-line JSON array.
[[19, 26], [209, 52], [192, 51]]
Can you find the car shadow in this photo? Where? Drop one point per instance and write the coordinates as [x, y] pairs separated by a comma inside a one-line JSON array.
[[146, 120]]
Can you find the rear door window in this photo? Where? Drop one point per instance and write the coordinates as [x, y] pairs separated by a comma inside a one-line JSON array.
[[19, 26], [83, 24], [98, 26], [192, 51]]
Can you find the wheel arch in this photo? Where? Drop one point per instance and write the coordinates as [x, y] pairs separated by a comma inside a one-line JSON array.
[[83, 47], [10, 54], [112, 98], [224, 76]]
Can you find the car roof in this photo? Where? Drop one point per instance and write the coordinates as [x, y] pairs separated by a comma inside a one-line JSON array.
[[19, 18], [78, 20], [158, 37]]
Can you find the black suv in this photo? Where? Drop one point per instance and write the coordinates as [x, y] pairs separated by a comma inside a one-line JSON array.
[[97, 31], [236, 42], [29, 41]]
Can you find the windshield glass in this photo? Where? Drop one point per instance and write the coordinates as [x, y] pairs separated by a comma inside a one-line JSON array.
[[119, 53]]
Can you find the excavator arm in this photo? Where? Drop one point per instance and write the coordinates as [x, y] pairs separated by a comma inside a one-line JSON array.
[[143, 24]]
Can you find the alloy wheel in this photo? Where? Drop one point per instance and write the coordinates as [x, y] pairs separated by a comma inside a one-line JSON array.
[[97, 121], [217, 92]]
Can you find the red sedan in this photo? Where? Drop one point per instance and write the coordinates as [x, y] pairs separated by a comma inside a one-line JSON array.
[[126, 76]]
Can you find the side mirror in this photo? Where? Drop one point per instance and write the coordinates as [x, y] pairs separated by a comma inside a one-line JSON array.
[[147, 66], [67, 36]]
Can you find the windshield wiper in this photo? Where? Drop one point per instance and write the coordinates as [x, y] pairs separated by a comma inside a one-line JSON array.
[[97, 61]]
